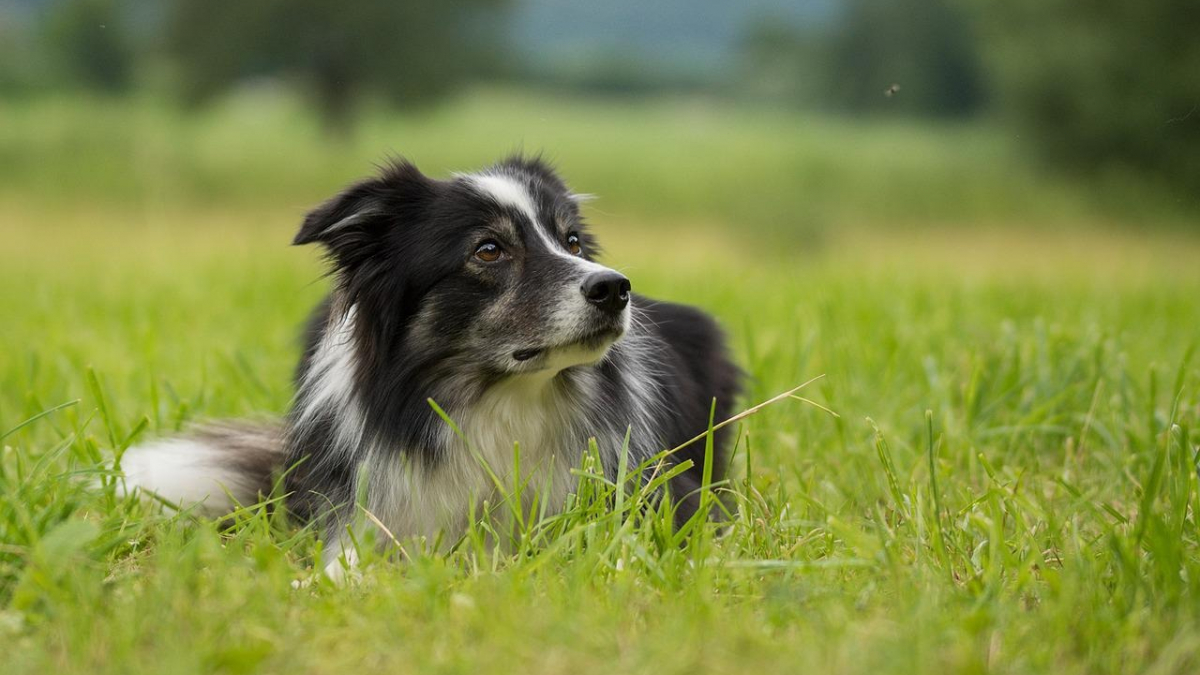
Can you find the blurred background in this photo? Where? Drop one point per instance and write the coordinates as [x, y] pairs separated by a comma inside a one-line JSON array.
[[789, 119]]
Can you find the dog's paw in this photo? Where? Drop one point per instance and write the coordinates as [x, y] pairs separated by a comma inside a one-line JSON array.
[[344, 569]]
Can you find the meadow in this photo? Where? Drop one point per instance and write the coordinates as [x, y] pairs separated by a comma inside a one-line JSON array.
[[1007, 482]]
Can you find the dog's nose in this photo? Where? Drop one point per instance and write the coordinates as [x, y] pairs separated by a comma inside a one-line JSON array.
[[607, 290]]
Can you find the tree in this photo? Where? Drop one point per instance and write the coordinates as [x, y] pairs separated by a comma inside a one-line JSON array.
[[925, 47], [850, 60], [784, 62], [1098, 85], [409, 51], [91, 44]]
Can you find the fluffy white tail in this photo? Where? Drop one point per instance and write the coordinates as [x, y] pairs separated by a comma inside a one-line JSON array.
[[211, 470]]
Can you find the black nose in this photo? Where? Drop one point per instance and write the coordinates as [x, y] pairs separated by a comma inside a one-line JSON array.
[[607, 290]]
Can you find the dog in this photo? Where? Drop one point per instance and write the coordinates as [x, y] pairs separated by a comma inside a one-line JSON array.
[[479, 294]]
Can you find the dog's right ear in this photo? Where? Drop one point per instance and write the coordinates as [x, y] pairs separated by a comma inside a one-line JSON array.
[[353, 224], [353, 206]]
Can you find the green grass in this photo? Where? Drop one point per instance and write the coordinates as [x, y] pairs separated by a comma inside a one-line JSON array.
[[1010, 486]]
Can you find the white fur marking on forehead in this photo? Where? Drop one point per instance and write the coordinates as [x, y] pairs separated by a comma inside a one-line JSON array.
[[507, 191]]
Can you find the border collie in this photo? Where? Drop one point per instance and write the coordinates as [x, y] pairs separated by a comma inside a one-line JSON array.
[[479, 293]]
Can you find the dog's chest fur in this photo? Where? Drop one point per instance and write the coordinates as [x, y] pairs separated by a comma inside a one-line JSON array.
[[512, 453]]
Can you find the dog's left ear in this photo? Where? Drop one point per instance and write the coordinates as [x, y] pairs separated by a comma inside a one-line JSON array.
[[352, 225]]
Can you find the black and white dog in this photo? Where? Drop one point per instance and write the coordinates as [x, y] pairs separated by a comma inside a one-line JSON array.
[[479, 293]]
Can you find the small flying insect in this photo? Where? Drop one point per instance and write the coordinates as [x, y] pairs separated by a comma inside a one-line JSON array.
[[891, 91]]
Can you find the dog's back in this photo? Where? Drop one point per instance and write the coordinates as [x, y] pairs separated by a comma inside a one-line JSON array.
[[697, 372]]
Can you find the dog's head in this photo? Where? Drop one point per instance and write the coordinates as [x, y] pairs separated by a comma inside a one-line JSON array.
[[491, 272]]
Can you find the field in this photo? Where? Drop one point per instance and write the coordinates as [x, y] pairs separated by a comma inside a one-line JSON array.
[[1009, 484]]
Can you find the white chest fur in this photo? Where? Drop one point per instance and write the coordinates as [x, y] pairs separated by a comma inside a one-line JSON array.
[[513, 450]]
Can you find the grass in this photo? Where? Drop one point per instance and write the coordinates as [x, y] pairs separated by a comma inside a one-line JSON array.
[[1010, 485]]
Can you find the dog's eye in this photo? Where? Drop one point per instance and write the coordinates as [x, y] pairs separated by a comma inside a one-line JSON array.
[[489, 251], [573, 244]]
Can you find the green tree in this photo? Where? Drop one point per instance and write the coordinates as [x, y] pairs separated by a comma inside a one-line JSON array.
[[90, 44], [410, 51], [782, 61], [924, 47], [916, 56], [1100, 85]]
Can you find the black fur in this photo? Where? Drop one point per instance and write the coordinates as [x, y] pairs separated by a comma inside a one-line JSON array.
[[696, 370]]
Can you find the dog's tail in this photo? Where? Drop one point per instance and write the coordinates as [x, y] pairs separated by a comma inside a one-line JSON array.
[[213, 469]]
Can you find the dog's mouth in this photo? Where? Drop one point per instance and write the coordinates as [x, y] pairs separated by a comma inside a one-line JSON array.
[[593, 341], [526, 354]]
